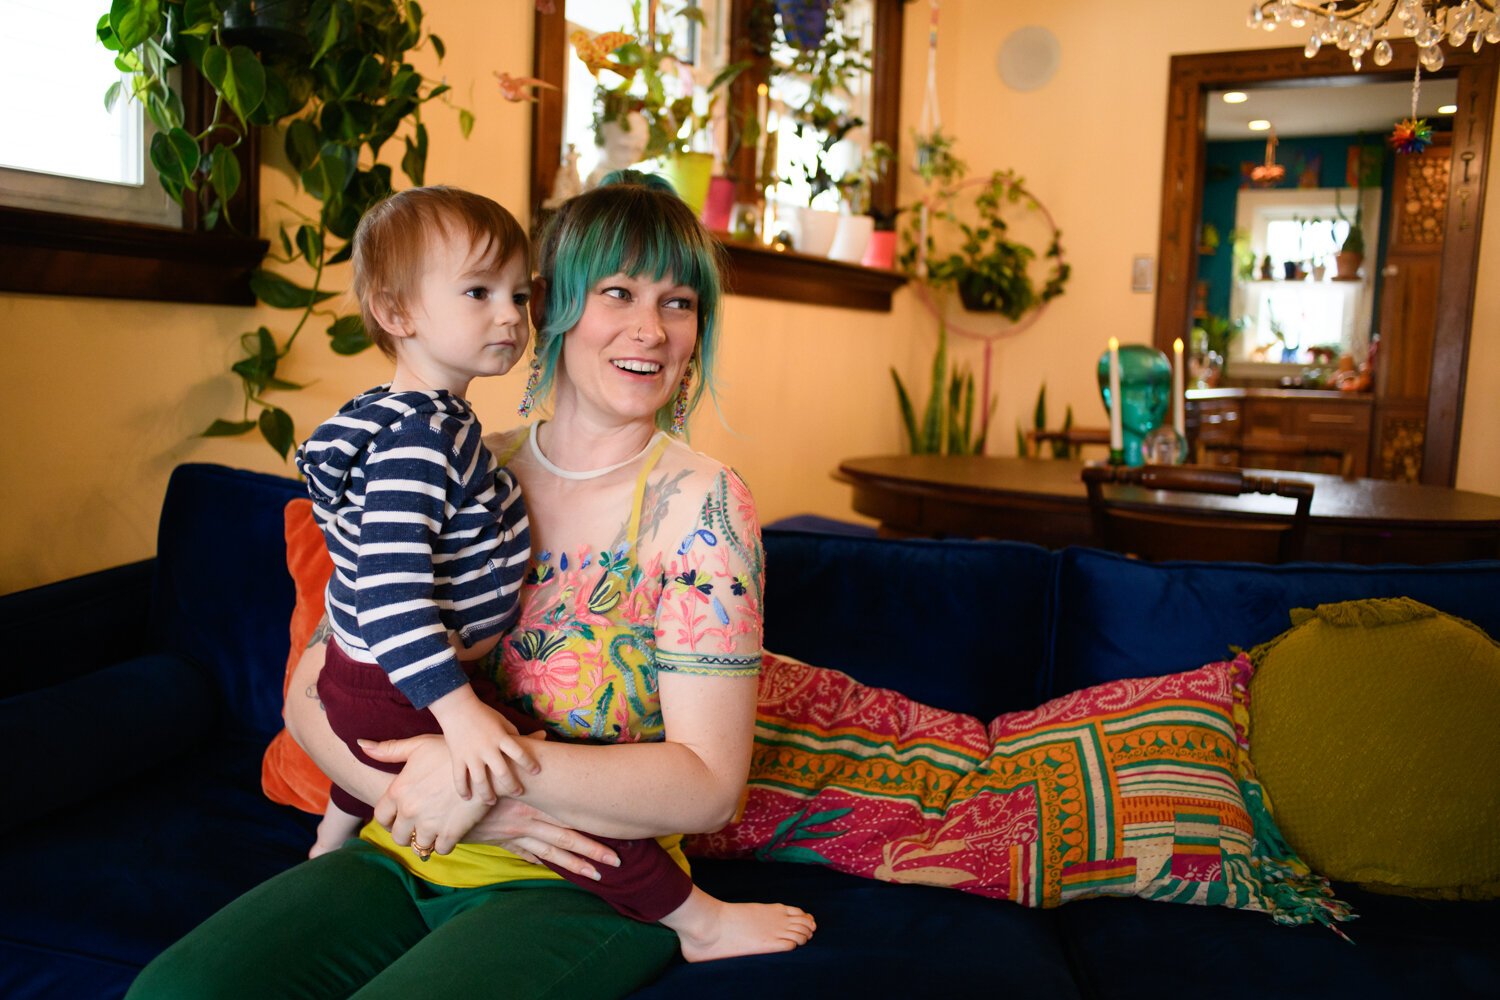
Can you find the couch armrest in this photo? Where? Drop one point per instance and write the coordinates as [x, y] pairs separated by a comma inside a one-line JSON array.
[[100, 618], [74, 740]]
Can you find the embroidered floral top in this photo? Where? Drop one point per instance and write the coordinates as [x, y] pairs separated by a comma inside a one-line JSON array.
[[654, 565]]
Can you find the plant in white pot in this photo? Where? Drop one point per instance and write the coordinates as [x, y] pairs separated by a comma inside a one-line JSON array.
[[856, 187], [819, 82]]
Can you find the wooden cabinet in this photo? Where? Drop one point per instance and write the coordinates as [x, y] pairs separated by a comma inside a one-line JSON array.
[[1296, 430]]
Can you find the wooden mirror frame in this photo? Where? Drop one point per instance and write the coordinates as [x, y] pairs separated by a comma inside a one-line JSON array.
[[753, 269], [1194, 76]]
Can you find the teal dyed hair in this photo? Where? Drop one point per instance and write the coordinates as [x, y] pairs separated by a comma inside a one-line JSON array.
[[632, 223]]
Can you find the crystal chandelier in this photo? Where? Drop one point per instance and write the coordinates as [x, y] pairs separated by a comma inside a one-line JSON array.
[[1364, 27]]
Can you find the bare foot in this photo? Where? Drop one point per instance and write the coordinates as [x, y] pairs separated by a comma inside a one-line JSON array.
[[709, 928], [334, 828]]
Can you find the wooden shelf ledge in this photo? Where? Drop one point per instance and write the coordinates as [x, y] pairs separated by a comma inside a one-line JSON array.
[[759, 272]]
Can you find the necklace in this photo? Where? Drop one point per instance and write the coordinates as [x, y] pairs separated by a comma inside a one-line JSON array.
[[546, 463]]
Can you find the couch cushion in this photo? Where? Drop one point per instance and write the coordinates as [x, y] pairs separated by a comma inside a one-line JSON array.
[[287, 773], [1376, 737], [1118, 617], [223, 595], [877, 940], [957, 625], [107, 885], [1130, 950], [101, 731]]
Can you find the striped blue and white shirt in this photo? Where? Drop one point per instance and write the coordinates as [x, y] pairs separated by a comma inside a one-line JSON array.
[[427, 535]]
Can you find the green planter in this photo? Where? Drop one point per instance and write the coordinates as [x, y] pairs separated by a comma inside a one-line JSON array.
[[689, 174]]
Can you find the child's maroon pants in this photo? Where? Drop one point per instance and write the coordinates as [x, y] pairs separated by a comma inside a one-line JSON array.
[[362, 704]]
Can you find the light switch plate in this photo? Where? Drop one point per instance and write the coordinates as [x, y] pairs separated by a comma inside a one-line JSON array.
[[1140, 273]]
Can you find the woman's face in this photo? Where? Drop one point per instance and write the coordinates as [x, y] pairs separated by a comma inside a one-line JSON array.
[[624, 359]]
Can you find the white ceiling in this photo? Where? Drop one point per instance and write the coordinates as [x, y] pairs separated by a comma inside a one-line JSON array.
[[1294, 111]]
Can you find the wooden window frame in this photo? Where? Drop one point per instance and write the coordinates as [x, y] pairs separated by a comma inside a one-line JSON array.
[[55, 253], [753, 270]]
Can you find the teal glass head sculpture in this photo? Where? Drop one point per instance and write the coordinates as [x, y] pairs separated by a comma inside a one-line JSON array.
[[1145, 393]]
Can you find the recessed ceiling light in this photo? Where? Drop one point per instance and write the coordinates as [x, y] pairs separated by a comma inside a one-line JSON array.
[[1236, 97], [1448, 109], [1259, 125]]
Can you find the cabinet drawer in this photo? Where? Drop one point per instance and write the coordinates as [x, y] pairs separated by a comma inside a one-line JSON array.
[[1324, 418]]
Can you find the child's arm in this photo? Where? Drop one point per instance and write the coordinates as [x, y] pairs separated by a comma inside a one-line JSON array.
[[482, 745], [405, 506]]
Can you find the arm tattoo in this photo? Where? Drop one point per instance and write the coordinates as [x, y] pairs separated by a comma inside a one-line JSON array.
[[656, 499], [321, 634]]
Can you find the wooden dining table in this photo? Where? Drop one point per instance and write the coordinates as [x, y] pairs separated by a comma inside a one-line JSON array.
[[1043, 501]]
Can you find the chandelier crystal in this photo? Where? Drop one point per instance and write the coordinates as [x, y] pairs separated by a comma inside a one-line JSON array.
[[1362, 27]]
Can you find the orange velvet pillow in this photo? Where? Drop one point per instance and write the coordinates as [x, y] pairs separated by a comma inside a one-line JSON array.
[[287, 774]]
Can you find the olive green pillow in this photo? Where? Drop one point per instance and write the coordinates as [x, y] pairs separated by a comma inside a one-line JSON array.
[[1377, 738]]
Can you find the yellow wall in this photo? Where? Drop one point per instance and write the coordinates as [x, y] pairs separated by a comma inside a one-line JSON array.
[[103, 396]]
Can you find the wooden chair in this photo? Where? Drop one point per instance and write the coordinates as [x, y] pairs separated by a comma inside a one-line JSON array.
[[1134, 523]]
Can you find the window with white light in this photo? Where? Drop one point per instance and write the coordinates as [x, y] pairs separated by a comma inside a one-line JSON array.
[[62, 150], [1295, 303]]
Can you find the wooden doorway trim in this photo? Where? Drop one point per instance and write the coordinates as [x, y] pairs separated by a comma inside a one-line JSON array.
[[1194, 76]]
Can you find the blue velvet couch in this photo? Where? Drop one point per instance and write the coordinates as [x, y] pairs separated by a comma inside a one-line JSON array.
[[137, 701]]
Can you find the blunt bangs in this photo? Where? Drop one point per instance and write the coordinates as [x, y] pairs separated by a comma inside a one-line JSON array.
[[631, 225]]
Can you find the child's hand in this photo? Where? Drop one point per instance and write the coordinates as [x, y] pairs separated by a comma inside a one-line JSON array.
[[482, 746]]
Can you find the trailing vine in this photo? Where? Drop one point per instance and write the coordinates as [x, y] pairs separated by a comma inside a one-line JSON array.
[[333, 77]]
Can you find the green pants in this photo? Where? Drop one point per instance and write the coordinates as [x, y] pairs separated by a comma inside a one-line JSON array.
[[353, 923]]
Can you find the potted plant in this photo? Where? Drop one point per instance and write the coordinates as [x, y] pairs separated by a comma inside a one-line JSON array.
[[990, 271], [336, 100], [804, 23], [855, 224], [1210, 342], [947, 425], [827, 72], [650, 92], [1352, 253]]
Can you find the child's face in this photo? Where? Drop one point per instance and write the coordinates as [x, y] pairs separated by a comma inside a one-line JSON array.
[[468, 318]]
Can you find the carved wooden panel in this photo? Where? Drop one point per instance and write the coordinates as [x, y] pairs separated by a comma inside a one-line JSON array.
[[1402, 433], [1419, 200]]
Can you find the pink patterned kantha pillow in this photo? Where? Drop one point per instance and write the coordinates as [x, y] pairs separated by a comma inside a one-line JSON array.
[[1134, 788]]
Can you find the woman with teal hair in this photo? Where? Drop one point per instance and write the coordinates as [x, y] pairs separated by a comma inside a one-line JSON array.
[[639, 640]]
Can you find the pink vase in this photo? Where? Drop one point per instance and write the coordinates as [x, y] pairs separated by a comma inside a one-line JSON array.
[[718, 206], [881, 251]]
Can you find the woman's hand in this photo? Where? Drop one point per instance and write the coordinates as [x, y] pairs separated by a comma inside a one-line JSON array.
[[422, 800]]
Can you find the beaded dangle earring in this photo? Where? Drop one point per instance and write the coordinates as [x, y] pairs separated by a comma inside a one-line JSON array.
[[679, 410], [528, 398]]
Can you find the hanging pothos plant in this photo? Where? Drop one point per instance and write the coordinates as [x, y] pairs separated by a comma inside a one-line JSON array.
[[990, 271], [333, 76]]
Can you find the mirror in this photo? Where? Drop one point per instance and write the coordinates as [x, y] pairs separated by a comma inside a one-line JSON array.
[[1292, 175], [1425, 375]]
